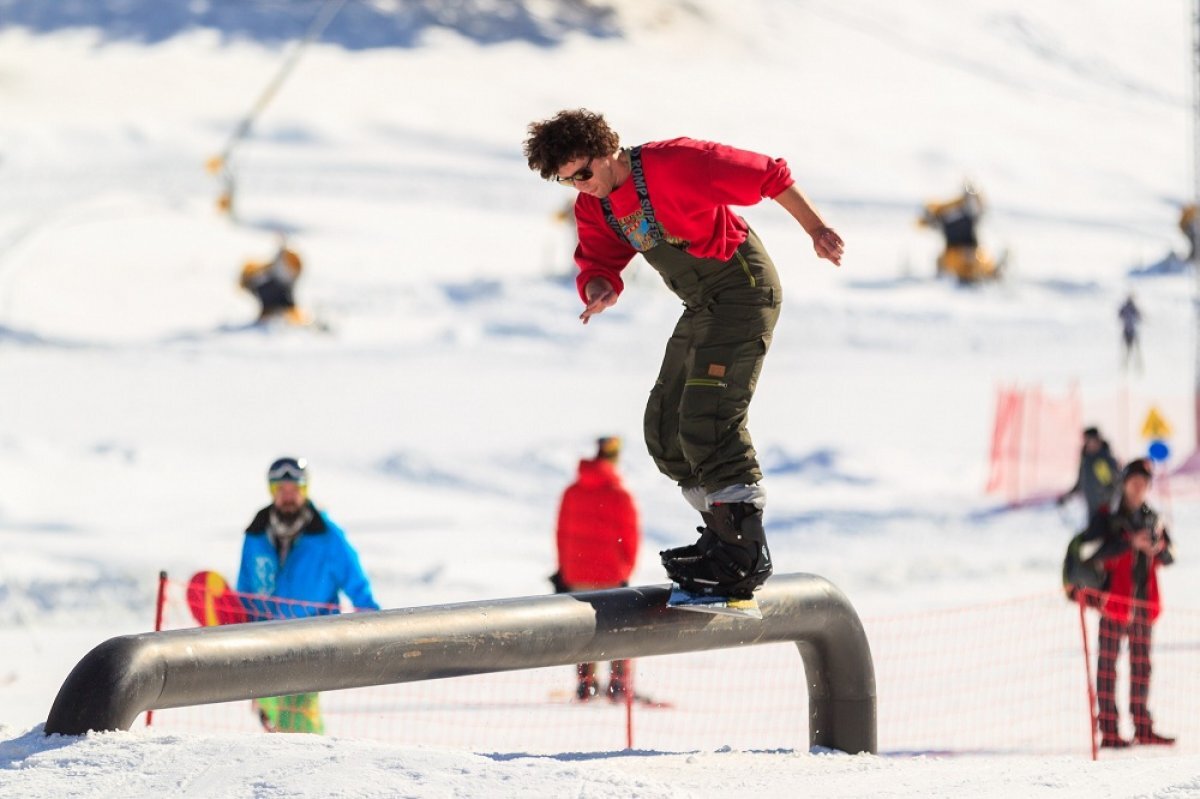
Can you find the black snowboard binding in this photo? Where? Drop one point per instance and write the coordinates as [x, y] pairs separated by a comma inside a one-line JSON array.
[[730, 558]]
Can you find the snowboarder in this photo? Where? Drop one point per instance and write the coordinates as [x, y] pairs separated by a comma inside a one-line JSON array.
[[1134, 545], [597, 538], [669, 200], [294, 554], [957, 219]]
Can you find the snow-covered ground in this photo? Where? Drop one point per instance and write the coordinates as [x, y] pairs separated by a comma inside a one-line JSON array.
[[447, 408]]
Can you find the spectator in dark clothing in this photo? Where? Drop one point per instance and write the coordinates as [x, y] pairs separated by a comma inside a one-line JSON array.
[[597, 537], [1098, 471], [1130, 318], [1134, 544]]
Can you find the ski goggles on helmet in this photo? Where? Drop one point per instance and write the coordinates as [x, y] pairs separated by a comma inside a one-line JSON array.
[[288, 470]]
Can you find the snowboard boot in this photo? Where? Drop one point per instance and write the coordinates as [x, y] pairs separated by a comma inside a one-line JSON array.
[[585, 688], [730, 559]]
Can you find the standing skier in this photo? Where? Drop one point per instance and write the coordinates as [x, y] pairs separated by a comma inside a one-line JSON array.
[[1135, 544], [597, 538], [669, 200], [1098, 471], [1130, 317], [298, 563]]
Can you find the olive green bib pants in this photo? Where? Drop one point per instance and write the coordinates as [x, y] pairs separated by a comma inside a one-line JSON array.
[[695, 423]]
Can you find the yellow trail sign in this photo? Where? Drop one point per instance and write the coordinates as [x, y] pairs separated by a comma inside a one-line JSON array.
[[1155, 425]]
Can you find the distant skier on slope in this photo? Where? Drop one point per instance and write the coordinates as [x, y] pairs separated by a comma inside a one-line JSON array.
[[669, 200], [273, 284], [1187, 225], [957, 219], [1131, 317], [597, 538]]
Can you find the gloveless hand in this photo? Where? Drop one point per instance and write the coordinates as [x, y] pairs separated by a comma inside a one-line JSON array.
[[600, 296]]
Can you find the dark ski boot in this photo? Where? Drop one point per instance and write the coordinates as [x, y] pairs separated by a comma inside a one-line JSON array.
[[586, 688], [616, 680], [730, 558]]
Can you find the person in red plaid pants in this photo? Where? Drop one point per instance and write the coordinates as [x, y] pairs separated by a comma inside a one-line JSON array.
[[1135, 545]]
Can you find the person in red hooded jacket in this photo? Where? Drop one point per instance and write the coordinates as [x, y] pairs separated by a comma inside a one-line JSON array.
[[1134, 545], [598, 537]]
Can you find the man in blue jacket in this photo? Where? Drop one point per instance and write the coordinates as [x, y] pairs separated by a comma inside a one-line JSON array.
[[297, 563]]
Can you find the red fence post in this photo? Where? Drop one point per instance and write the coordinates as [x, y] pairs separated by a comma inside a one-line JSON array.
[[630, 687], [158, 620], [1017, 439], [997, 436], [1005, 450], [1035, 437]]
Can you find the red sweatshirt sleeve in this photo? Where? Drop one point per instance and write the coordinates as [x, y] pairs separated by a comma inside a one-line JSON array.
[[691, 185], [600, 253], [741, 177]]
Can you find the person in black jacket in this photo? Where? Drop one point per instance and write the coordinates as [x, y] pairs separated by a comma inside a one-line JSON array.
[[1134, 544], [1130, 316], [1098, 470]]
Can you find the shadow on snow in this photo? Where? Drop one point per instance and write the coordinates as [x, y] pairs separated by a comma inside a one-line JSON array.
[[358, 25]]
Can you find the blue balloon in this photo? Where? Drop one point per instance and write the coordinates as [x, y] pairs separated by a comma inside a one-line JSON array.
[[1159, 451]]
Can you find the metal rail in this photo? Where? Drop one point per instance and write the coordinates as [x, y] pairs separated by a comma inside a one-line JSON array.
[[129, 674]]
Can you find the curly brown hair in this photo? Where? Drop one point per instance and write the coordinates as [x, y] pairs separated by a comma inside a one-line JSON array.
[[568, 135]]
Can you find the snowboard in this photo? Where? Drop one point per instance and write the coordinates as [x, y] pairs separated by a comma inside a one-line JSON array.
[[717, 605], [212, 602]]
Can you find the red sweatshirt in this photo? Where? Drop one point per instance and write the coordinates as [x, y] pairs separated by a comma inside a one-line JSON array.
[[692, 184], [597, 529]]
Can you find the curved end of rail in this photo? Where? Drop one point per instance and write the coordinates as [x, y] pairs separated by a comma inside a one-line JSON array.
[[106, 689]]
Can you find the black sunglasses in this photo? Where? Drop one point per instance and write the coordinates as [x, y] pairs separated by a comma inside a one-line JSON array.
[[582, 176]]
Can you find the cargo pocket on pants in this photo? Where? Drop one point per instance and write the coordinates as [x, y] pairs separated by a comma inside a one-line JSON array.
[[714, 408]]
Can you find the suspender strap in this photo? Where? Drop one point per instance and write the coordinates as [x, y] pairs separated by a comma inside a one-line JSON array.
[[639, 185], [612, 220]]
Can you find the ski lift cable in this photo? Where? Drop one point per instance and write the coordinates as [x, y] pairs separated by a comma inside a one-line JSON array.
[[320, 22]]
